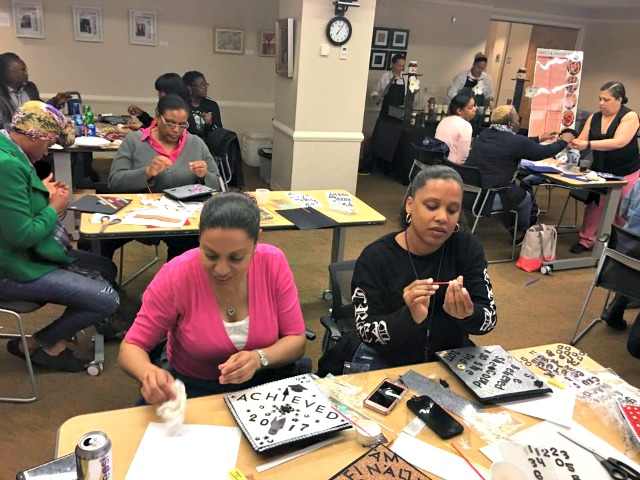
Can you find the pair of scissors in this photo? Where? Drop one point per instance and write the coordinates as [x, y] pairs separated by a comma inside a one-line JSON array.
[[106, 221], [615, 468]]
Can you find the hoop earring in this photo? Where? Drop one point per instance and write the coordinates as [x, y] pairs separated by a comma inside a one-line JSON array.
[[456, 228], [408, 219]]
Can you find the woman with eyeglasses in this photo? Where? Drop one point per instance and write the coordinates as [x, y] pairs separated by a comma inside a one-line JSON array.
[[205, 112], [160, 157]]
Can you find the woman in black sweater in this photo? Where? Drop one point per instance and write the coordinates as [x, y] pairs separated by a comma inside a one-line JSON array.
[[403, 316]]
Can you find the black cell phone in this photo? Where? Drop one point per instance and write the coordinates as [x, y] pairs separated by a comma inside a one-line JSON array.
[[436, 418], [385, 396]]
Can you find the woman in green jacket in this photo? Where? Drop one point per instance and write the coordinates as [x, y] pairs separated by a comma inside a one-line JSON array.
[[37, 263]]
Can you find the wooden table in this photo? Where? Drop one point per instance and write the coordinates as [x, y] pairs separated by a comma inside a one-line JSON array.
[[612, 199], [364, 215], [126, 428]]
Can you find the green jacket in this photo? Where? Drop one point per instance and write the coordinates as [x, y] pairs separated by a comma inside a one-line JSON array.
[[28, 249]]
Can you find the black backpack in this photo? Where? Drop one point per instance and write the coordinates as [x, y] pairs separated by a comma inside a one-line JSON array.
[[225, 148]]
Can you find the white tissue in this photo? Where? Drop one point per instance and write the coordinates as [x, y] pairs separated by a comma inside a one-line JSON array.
[[172, 411]]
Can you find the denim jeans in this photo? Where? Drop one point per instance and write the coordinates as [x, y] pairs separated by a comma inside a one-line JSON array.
[[523, 209], [364, 354], [87, 300]]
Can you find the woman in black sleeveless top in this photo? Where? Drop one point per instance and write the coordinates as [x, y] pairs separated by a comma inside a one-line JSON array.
[[611, 135]]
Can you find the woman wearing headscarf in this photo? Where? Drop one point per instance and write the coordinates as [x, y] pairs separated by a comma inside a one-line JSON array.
[[497, 152], [37, 263]]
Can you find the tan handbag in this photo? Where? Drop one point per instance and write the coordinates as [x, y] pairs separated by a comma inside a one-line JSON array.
[[539, 246]]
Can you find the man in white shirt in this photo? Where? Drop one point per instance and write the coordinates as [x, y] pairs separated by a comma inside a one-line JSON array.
[[475, 79]]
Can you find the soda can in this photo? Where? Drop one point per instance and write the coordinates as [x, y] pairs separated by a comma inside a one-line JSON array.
[[80, 128], [92, 130], [93, 457]]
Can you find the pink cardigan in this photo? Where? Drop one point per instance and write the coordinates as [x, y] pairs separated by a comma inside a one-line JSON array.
[[180, 304]]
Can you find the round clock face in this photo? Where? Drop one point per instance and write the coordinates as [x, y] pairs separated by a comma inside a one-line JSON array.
[[339, 30]]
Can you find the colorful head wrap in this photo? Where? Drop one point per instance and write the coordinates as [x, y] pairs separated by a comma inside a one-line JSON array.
[[502, 114], [42, 121]]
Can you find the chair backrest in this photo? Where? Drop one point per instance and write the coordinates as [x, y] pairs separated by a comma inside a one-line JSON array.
[[471, 176], [428, 157], [619, 267], [340, 275]]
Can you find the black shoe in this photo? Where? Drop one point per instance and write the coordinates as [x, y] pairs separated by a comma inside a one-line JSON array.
[[578, 248], [613, 315], [66, 361], [14, 349]]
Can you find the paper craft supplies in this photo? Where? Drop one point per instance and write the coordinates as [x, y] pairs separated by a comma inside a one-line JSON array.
[[379, 462], [288, 412]]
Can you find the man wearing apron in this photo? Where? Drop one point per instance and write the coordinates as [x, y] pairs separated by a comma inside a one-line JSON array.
[[386, 134], [478, 85]]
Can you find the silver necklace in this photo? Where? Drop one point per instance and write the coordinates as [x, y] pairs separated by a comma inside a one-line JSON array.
[[231, 311]]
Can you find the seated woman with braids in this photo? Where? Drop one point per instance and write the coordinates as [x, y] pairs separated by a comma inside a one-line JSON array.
[[425, 288]]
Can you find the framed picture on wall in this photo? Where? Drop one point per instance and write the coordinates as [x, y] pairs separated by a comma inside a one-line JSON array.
[[393, 53], [229, 41], [284, 47], [399, 39], [142, 28], [378, 60], [28, 19], [380, 38], [267, 47], [87, 24]]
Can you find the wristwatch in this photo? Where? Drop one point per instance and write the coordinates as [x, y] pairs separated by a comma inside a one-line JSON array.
[[264, 361]]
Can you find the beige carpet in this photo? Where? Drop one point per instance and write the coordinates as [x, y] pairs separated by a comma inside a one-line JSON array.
[[539, 314]]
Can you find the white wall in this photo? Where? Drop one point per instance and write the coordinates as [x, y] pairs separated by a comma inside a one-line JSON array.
[[611, 53], [113, 74], [515, 58]]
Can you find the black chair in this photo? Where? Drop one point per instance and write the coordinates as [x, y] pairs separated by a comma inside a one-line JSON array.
[[423, 159], [475, 198], [341, 316], [618, 272]]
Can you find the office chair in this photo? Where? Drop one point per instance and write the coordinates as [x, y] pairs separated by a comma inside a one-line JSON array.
[[424, 158], [341, 316], [475, 198], [618, 271], [15, 308]]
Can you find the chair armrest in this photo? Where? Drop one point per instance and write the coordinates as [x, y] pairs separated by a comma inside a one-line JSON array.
[[331, 325]]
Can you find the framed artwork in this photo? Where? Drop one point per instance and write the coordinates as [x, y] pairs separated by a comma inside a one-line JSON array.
[[284, 47], [28, 20], [229, 41], [399, 39], [392, 53], [142, 28], [380, 38], [378, 60], [87, 24], [267, 47]]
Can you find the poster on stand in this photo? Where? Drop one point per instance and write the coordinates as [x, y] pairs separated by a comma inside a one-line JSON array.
[[556, 89]]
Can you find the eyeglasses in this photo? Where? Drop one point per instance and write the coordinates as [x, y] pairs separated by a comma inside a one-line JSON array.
[[173, 125]]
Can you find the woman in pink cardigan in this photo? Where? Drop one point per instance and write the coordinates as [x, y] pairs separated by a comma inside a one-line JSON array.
[[229, 310]]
